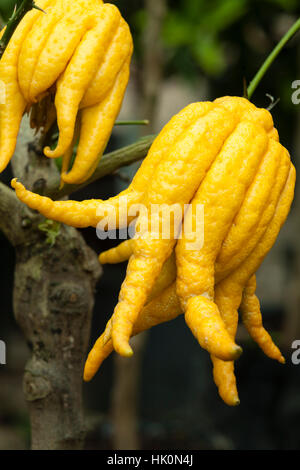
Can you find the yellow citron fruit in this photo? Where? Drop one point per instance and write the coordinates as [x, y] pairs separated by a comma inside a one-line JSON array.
[[230, 294], [224, 156], [78, 55]]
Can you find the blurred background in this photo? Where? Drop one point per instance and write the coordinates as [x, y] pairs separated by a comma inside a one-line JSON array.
[[165, 397]]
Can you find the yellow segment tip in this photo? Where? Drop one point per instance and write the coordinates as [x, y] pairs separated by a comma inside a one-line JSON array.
[[14, 183], [281, 360], [124, 350]]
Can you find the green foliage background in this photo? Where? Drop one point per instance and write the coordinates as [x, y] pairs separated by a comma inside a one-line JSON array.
[[6, 7], [226, 41]]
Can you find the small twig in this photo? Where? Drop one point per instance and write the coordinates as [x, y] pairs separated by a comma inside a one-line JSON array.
[[14, 20], [245, 91], [270, 59], [143, 122]]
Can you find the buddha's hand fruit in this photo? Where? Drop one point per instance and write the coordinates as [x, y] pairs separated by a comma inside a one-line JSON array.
[[77, 55], [226, 157], [231, 292]]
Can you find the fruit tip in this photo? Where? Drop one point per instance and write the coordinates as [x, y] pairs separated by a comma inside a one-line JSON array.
[[14, 182], [125, 350], [281, 360], [87, 377]]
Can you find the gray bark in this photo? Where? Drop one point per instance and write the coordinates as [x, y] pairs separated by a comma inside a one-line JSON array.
[[53, 299], [53, 302]]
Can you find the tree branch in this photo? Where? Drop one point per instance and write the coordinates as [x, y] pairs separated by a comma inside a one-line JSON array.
[[10, 209], [271, 57], [109, 163], [53, 300]]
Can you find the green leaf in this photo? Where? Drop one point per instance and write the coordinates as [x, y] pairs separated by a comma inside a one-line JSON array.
[[208, 52], [177, 31], [139, 20], [52, 230], [7, 7], [285, 4], [222, 14]]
